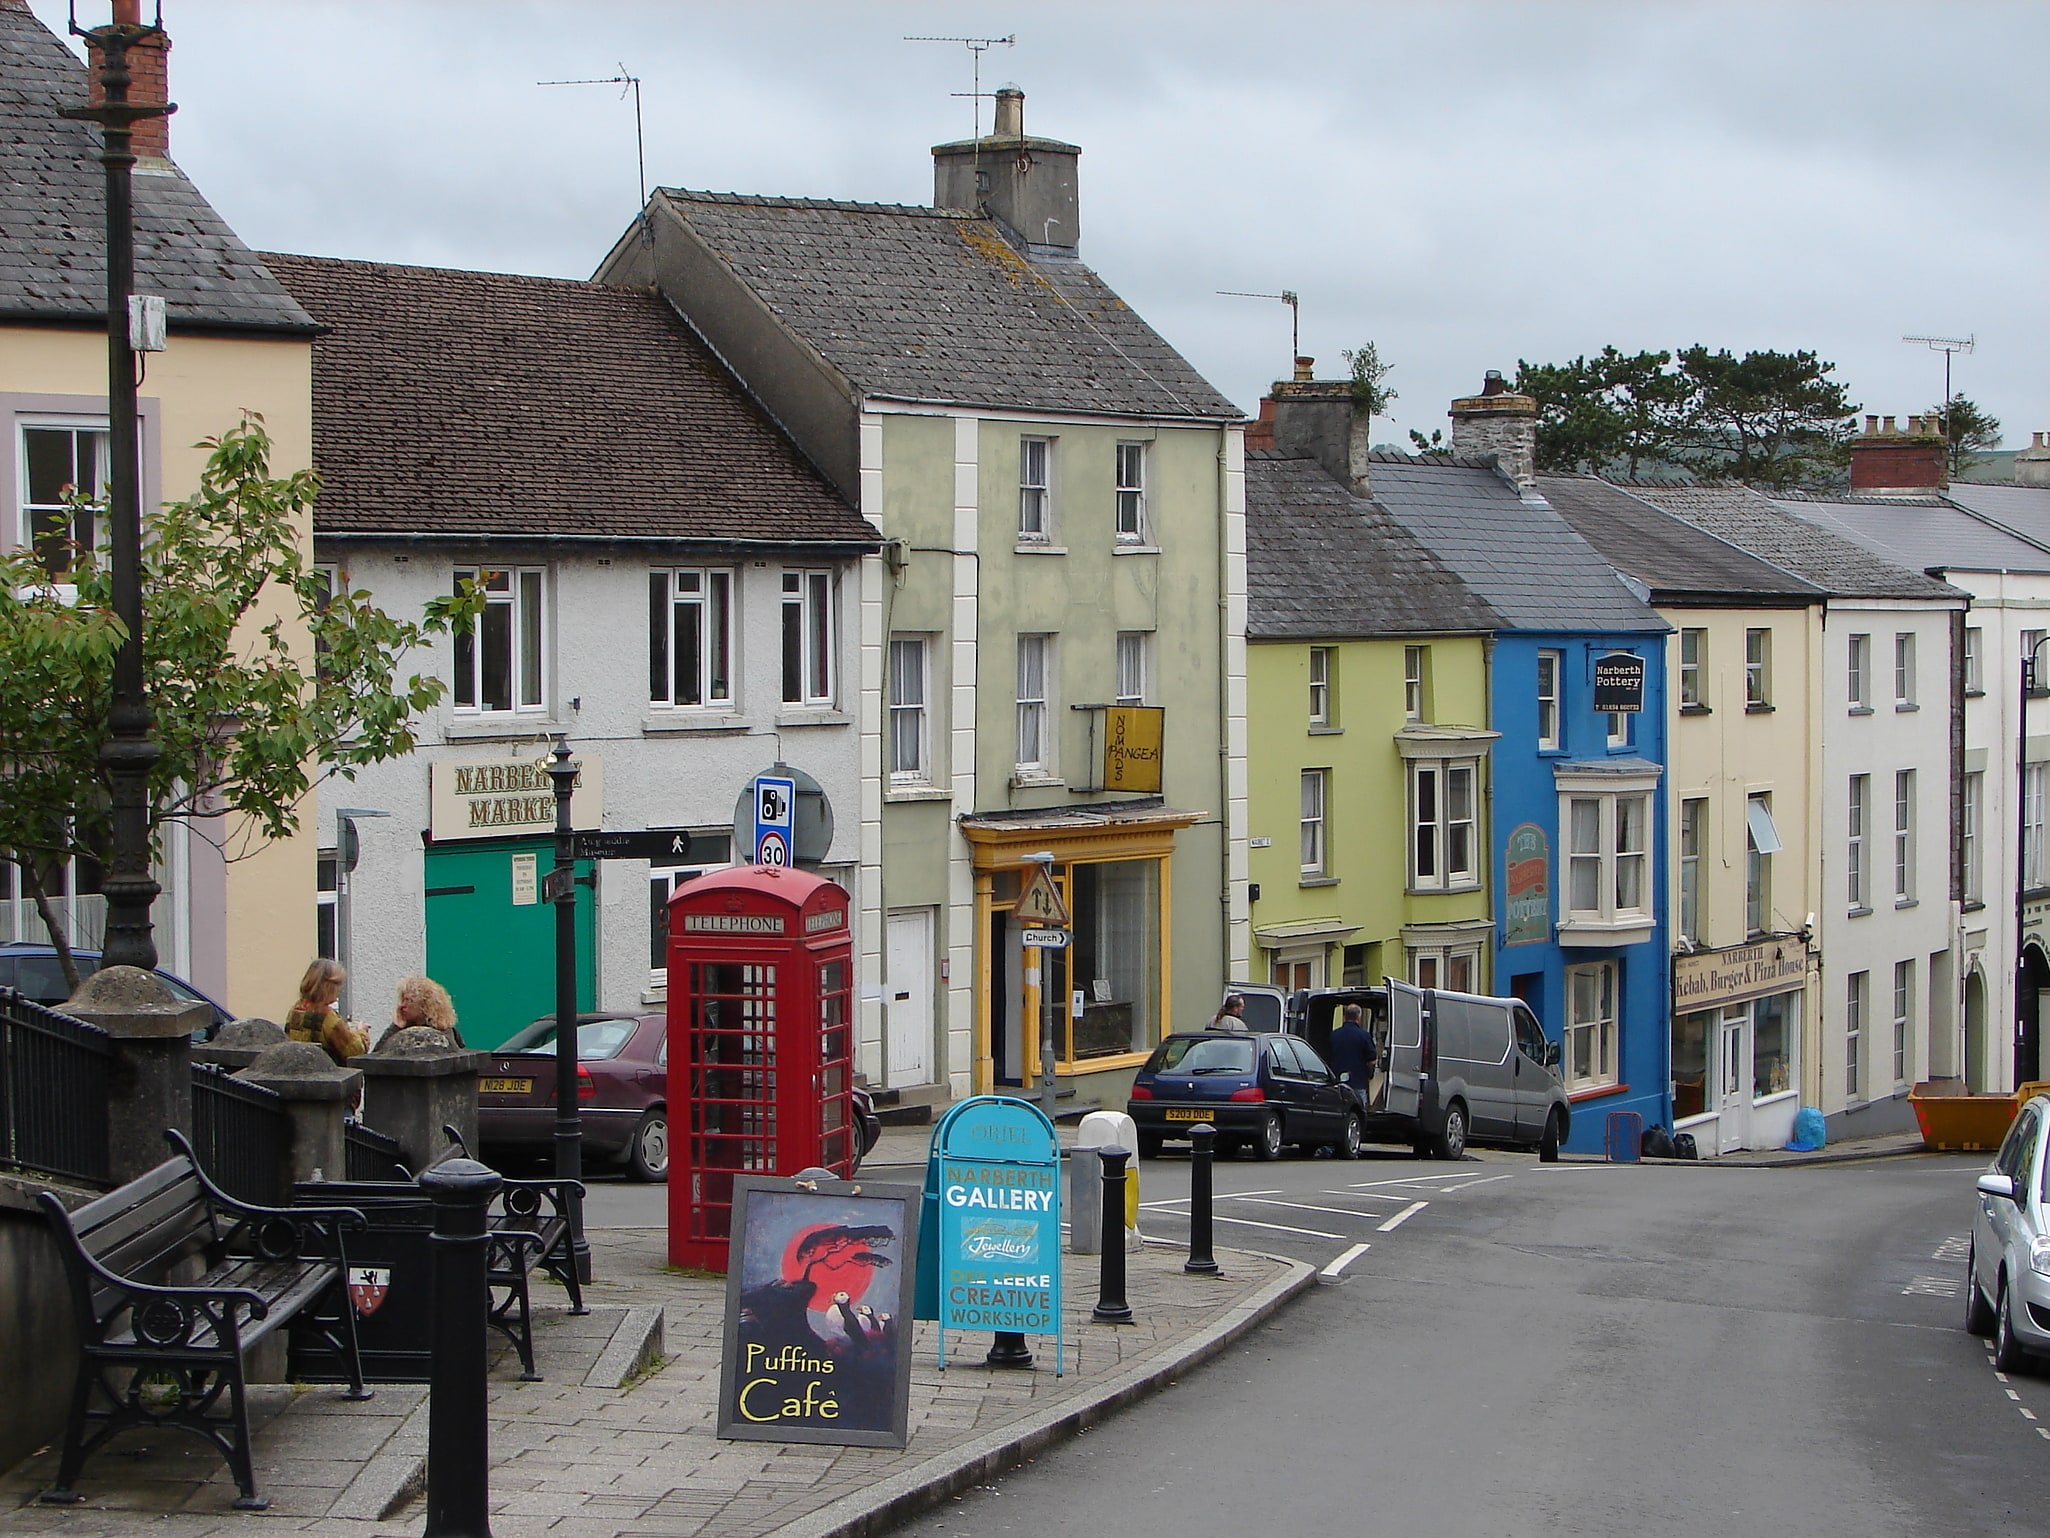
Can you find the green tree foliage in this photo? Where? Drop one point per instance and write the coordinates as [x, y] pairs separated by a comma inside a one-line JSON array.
[[1972, 431], [241, 714], [1433, 447], [1770, 419], [1370, 397]]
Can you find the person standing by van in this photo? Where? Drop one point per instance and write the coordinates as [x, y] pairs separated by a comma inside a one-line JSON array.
[[1354, 1053], [1231, 1014]]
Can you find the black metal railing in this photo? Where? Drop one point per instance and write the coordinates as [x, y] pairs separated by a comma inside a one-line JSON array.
[[372, 1155], [55, 1083], [242, 1134]]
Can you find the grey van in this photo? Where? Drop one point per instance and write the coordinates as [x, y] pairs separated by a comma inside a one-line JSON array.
[[1456, 1068]]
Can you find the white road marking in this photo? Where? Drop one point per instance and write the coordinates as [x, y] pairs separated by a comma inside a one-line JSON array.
[[1997, 1372], [1279, 1228], [1932, 1287], [1407, 1180], [2030, 1414], [1403, 1217], [1345, 1259], [1337, 1212], [2011, 1394], [2043, 1431], [1464, 1184], [1183, 1201], [1956, 1247]]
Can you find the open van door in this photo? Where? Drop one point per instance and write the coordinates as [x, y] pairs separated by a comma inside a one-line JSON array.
[[1266, 1006], [1408, 1023]]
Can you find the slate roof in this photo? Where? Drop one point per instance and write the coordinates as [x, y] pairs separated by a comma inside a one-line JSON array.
[[1520, 558], [934, 305], [53, 263], [1923, 534], [484, 405], [1680, 563], [1322, 562], [1842, 568], [2024, 509]]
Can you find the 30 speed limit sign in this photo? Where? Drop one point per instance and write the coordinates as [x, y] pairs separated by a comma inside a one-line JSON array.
[[773, 850]]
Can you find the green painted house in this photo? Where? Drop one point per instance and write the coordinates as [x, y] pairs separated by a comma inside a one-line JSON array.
[[1366, 681], [1051, 639]]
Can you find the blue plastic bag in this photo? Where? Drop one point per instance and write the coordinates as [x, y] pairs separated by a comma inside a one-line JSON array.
[[1809, 1134]]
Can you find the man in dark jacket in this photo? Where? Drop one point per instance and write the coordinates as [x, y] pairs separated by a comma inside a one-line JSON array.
[[1354, 1052]]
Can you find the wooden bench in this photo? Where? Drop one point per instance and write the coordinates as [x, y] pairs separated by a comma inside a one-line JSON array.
[[157, 1352]]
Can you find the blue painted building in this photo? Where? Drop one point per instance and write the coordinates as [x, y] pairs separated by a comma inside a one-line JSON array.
[[1576, 820]]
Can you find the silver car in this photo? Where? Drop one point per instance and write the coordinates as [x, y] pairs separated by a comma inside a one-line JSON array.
[[2007, 1283]]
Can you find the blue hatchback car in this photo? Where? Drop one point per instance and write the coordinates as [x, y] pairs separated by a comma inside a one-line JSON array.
[[1260, 1090], [35, 971]]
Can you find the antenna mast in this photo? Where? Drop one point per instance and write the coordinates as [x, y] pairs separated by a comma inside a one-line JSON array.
[[976, 47], [1295, 316], [1949, 346], [629, 83]]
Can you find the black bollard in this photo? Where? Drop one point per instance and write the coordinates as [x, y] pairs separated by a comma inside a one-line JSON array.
[[1111, 1307], [458, 1406], [1202, 1153], [1008, 1349]]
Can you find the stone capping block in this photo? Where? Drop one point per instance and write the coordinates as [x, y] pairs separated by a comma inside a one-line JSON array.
[[637, 1344], [420, 1052], [300, 1070], [130, 1002], [239, 1043]]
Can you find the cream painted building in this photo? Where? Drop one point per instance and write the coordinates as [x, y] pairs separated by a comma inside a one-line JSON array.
[[242, 929]]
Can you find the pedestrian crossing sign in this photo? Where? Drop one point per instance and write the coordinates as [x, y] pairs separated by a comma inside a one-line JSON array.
[[1040, 903]]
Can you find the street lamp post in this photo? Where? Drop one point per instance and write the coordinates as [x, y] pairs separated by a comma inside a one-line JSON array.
[[2027, 1027], [569, 1125], [345, 897], [129, 753]]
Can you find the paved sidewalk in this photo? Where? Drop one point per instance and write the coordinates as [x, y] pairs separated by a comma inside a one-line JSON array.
[[618, 1440]]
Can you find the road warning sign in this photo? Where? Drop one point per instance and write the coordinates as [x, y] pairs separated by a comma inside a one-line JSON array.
[[1040, 903]]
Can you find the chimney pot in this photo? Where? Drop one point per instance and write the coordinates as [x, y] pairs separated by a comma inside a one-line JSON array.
[[1871, 422], [1010, 120], [1911, 462], [1886, 424], [1305, 370], [1492, 382], [127, 13]]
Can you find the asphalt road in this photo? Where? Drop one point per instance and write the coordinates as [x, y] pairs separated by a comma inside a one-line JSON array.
[[1530, 1349]]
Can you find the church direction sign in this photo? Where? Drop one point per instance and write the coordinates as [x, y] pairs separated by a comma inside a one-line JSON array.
[[1709, 979]]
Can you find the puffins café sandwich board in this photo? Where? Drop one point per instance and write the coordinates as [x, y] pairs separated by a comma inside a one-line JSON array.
[[818, 1321]]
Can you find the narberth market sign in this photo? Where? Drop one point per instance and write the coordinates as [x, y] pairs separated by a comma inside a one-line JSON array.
[[501, 797]]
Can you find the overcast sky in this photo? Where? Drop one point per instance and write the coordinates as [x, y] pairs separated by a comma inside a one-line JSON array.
[[1463, 184]]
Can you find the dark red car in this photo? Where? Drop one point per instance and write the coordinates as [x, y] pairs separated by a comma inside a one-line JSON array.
[[622, 1092]]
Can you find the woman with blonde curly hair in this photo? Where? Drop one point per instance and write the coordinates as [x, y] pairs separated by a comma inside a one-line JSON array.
[[424, 1002]]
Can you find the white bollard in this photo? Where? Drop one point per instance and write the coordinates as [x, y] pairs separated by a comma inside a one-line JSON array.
[[1102, 1129]]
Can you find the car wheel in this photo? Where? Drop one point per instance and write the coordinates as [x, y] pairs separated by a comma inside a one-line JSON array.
[[1348, 1147], [1978, 1312], [647, 1156], [1451, 1142], [1548, 1145], [1149, 1145], [1269, 1145], [2007, 1351]]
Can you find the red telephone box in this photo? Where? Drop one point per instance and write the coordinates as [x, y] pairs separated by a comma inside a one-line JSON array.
[[761, 980]]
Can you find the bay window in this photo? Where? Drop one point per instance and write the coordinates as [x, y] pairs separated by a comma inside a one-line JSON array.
[[1443, 848], [1606, 857]]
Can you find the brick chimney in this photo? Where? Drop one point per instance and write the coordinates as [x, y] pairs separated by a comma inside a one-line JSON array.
[[1887, 460], [1314, 418], [2032, 464], [1500, 422], [149, 81], [1028, 184]]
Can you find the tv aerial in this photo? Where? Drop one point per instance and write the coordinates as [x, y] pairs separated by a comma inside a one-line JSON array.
[[627, 83], [1950, 347], [977, 46]]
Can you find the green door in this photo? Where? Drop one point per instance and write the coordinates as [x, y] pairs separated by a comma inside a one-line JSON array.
[[491, 940]]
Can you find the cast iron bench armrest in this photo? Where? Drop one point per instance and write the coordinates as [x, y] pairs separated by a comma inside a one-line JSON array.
[[60, 1219], [318, 1219]]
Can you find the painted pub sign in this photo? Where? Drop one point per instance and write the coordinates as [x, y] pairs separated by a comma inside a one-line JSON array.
[[1527, 891]]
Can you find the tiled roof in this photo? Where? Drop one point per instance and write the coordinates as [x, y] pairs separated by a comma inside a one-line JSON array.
[[1923, 535], [1520, 557], [53, 264], [486, 405], [1322, 562], [923, 304], [1840, 567], [1677, 561]]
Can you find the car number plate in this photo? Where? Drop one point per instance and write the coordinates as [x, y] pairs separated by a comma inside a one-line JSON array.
[[505, 1086], [1188, 1116]]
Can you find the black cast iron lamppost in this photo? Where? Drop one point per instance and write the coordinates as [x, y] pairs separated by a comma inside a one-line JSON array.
[[569, 1125], [2027, 1025], [128, 753]]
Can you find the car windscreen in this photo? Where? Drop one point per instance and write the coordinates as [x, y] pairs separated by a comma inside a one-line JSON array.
[[596, 1039], [1203, 1054]]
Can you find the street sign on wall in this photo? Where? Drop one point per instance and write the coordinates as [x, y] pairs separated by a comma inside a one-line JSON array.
[[1619, 683]]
